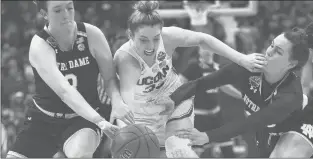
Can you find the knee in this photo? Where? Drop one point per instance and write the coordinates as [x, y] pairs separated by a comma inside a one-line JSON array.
[[279, 153], [82, 143], [292, 145], [175, 125]]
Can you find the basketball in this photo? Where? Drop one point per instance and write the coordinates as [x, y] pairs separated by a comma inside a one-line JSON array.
[[135, 141]]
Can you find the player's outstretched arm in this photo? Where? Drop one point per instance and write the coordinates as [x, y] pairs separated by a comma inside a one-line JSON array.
[[284, 103], [184, 38], [102, 53], [101, 50], [42, 58], [129, 72], [230, 74]]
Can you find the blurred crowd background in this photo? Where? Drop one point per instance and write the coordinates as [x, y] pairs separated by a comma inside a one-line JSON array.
[[20, 21]]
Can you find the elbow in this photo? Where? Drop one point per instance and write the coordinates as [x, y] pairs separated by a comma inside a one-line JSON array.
[[204, 41]]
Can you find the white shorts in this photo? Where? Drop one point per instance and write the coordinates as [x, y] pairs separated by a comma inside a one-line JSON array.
[[149, 116]]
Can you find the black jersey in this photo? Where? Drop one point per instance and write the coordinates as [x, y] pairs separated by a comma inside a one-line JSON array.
[[267, 104], [206, 99], [78, 66]]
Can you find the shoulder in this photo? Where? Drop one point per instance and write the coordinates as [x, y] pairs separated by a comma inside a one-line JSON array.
[[123, 58], [92, 30], [172, 32], [172, 37], [38, 47], [95, 35], [292, 84], [125, 47]]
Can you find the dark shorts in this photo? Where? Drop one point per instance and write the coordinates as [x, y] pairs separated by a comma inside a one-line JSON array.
[[42, 136], [300, 123]]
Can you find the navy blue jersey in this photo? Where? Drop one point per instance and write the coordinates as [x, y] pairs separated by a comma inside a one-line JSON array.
[[77, 65], [204, 98], [266, 104]]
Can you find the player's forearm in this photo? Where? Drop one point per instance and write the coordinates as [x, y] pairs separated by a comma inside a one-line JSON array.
[[113, 91], [187, 90], [231, 90], [272, 114], [79, 105], [211, 43]]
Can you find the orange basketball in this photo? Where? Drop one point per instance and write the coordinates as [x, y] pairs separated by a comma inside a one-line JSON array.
[[135, 141]]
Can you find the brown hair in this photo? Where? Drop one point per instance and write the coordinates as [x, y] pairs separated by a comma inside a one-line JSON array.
[[301, 40], [145, 14]]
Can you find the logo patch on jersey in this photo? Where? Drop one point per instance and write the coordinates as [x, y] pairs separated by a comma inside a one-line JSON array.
[[80, 40], [155, 69], [161, 56], [254, 82], [81, 45], [307, 129], [162, 64]]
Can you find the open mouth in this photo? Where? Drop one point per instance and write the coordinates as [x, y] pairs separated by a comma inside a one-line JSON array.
[[149, 52], [67, 22]]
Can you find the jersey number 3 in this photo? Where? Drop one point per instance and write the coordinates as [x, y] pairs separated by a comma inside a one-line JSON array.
[[153, 87], [72, 79]]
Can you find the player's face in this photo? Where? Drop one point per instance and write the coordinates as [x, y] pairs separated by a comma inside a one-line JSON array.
[[278, 55], [60, 13], [147, 39]]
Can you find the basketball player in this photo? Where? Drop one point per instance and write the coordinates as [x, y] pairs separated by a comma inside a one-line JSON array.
[[144, 66], [66, 58], [273, 97], [206, 102], [295, 145]]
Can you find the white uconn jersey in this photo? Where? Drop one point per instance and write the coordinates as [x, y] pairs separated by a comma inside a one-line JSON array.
[[156, 81]]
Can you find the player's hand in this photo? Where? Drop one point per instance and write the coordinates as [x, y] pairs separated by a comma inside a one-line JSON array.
[[123, 112], [108, 128], [254, 62], [196, 137], [168, 103]]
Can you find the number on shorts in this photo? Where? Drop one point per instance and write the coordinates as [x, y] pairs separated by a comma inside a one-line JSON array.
[[72, 79]]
